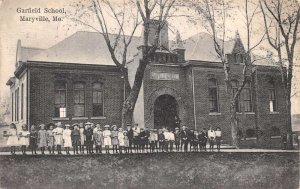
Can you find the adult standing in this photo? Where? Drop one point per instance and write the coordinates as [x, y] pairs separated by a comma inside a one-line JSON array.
[[211, 138], [218, 138], [130, 136], [184, 138]]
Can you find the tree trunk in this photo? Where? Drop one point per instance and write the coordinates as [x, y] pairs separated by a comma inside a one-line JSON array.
[[289, 118], [129, 103], [234, 125]]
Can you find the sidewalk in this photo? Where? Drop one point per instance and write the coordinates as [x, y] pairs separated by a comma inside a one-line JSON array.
[[223, 150]]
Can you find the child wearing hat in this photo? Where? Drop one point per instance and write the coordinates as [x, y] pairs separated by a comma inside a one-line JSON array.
[[50, 139], [12, 140], [75, 138], [161, 140], [89, 138], [42, 138], [67, 138], [24, 138], [98, 137], [107, 139], [33, 137], [82, 138], [58, 136], [121, 139], [114, 138]]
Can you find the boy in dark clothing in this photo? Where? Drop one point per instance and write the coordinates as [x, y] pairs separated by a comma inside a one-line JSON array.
[[130, 137], [75, 138], [161, 140], [177, 138], [89, 139], [184, 138], [191, 137]]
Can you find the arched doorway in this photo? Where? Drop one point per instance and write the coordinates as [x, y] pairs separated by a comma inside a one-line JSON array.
[[165, 112]]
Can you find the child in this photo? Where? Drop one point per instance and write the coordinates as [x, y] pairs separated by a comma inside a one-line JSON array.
[[202, 140], [98, 139], [171, 140], [107, 140], [82, 138], [24, 138], [196, 141], [211, 138], [67, 138], [12, 140], [218, 138], [58, 137], [167, 139], [152, 138], [142, 139], [177, 138], [75, 135], [121, 140], [50, 139], [42, 138], [114, 138], [33, 139], [161, 140], [126, 142], [89, 138]]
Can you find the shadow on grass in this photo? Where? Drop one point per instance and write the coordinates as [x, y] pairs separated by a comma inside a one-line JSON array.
[[164, 170]]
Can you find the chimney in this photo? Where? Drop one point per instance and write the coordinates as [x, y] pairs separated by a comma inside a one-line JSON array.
[[163, 41]]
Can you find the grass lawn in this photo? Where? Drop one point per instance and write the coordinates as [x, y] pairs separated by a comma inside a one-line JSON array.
[[163, 170]]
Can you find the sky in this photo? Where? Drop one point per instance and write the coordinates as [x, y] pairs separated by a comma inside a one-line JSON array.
[[46, 34]]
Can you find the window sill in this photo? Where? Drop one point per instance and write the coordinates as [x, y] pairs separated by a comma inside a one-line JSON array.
[[248, 113], [80, 118], [99, 117], [275, 137], [274, 112], [60, 118], [214, 113], [250, 138]]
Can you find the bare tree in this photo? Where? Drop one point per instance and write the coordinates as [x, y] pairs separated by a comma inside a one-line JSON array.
[[147, 10], [215, 14], [284, 16]]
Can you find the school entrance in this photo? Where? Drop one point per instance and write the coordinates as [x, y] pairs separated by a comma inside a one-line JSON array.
[[165, 112]]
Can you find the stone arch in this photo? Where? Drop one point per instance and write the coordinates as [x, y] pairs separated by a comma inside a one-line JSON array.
[[149, 111]]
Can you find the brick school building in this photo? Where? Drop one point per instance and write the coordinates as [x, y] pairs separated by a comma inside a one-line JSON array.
[[76, 81]]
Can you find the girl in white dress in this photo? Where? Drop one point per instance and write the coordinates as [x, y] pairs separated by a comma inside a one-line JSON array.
[[107, 139], [12, 140], [58, 136], [121, 139], [24, 138], [82, 138], [67, 138]]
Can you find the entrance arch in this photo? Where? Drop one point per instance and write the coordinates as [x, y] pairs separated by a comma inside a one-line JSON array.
[[165, 112]]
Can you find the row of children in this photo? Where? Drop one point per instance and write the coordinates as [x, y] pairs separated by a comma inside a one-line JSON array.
[[133, 139]]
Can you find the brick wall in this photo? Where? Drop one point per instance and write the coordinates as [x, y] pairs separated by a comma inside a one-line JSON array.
[[42, 93]]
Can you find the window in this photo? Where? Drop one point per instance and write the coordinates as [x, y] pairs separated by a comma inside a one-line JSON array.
[[98, 99], [213, 95], [60, 99], [272, 97], [250, 133], [22, 101], [17, 105], [275, 131], [247, 98], [12, 106], [234, 88], [79, 99]]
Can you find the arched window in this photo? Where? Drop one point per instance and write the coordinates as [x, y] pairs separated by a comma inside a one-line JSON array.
[[272, 97], [79, 99], [234, 88], [98, 108], [60, 99], [247, 97], [213, 95]]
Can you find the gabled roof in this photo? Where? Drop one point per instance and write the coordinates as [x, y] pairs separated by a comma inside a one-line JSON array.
[[201, 47], [84, 48]]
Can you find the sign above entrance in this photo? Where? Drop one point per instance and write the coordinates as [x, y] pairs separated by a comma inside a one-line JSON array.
[[164, 76]]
